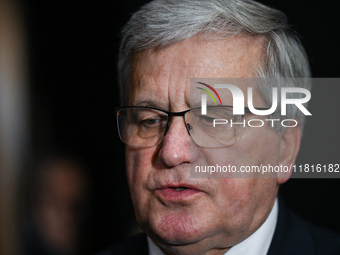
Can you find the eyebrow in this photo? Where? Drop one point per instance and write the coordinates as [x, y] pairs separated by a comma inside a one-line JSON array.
[[149, 103]]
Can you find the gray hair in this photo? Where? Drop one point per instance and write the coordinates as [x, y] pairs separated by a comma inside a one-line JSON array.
[[162, 23]]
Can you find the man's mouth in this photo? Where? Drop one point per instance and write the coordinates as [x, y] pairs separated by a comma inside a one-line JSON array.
[[177, 192], [178, 189]]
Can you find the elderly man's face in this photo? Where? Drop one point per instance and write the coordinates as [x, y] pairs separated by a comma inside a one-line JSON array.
[[212, 214]]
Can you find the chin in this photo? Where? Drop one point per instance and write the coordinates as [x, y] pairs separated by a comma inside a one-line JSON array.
[[179, 228]]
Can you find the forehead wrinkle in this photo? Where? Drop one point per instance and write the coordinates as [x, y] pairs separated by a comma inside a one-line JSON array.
[[171, 68], [177, 78], [151, 98], [149, 103], [148, 83]]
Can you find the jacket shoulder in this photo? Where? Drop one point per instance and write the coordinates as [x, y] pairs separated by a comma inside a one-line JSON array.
[[294, 235], [325, 241], [135, 245]]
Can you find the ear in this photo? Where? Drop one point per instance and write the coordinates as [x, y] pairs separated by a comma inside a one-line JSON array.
[[289, 148]]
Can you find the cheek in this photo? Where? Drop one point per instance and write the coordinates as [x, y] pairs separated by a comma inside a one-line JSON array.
[[136, 170], [243, 203], [138, 163], [235, 194], [138, 167]]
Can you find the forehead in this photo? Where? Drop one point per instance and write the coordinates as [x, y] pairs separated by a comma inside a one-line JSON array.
[[161, 78]]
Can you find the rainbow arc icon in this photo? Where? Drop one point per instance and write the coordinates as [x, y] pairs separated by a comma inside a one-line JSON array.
[[209, 93]]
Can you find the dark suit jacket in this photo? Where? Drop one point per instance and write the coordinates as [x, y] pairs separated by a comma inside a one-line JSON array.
[[293, 236]]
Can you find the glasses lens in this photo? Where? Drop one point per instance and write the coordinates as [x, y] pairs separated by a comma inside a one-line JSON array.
[[141, 127], [216, 128]]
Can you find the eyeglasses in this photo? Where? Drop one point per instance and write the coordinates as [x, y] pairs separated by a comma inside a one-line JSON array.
[[146, 126]]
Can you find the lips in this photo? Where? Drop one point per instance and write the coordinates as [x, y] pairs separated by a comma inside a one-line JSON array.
[[178, 192]]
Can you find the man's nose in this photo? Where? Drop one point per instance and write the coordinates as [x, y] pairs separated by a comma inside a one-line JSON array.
[[175, 147]]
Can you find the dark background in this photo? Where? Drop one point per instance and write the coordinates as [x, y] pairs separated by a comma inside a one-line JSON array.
[[73, 89]]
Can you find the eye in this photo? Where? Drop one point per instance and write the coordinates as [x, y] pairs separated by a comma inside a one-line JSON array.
[[150, 121], [207, 118], [153, 121]]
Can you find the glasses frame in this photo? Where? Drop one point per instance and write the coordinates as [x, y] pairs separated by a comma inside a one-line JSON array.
[[171, 114]]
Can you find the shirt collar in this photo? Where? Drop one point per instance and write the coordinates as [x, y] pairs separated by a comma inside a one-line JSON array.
[[256, 244], [153, 248]]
